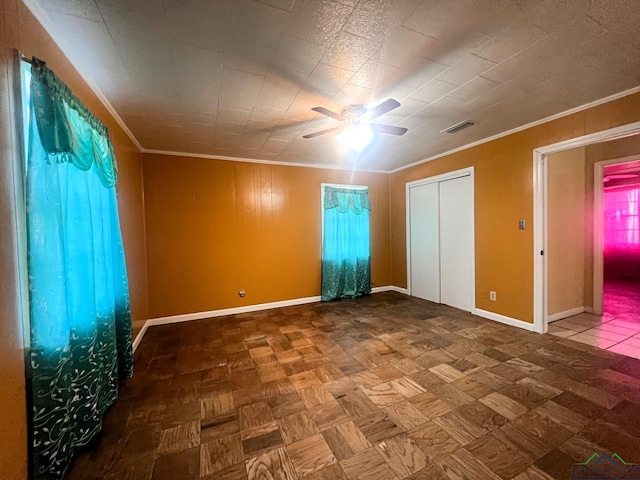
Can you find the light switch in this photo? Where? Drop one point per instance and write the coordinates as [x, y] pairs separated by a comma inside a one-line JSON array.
[[522, 224]]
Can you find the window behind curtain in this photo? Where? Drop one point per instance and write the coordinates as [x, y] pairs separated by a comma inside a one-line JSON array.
[[78, 319], [346, 253]]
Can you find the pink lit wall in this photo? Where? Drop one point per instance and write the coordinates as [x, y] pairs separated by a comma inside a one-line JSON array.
[[622, 234]]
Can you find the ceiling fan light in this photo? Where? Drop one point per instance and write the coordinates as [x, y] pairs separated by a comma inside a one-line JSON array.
[[355, 137]]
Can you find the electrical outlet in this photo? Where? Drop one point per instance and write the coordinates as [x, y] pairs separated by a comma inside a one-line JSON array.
[[493, 296]]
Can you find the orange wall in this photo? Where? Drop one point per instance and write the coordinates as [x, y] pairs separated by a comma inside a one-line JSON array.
[[20, 30], [503, 195], [215, 227]]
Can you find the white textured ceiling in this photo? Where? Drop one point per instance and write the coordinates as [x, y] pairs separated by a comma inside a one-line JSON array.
[[238, 78]]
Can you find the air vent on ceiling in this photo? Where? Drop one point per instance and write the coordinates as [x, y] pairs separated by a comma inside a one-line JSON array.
[[457, 127]]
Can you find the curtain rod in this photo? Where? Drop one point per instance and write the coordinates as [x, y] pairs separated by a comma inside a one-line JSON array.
[[24, 58]]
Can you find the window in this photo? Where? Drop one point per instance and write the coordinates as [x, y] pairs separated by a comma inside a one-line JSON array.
[[346, 252], [80, 339]]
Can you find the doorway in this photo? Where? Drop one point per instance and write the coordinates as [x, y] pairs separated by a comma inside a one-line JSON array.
[[440, 239], [621, 240], [540, 251]]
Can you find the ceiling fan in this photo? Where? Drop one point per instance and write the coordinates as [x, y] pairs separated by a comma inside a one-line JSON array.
[[356, 130]]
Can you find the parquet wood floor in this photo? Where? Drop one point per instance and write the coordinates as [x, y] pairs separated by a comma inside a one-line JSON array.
[[385, 387]]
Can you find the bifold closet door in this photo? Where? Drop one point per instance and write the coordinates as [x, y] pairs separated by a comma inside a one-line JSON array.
[[425, 242], [456, 243]]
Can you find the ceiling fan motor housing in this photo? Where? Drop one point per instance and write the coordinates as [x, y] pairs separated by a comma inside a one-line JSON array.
[[353, 114]]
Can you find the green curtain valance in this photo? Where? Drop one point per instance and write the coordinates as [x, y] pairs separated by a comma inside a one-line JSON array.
[[344, 199], [69, 132]]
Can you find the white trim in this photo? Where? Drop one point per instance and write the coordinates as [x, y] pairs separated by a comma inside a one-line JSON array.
[[140, 334], [236, 310], [45, 21], [230, 311], [567, 313], [390, 288], [566, 113], [404, 291], [514, 322], [539, 209], [463, 172], [539, 236], [260, 161]]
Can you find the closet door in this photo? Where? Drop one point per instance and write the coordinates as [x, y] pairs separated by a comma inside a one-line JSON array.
[[457, 269], [425, 242]]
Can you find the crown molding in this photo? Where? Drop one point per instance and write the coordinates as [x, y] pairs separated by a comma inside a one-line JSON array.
[[46, 23], [257, 160], [566, 113]]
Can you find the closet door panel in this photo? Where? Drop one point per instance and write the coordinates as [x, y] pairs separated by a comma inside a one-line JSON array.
[[425, 242], [457, 268]]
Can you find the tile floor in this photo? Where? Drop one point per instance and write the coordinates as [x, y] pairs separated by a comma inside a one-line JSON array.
[[386, 387], [617, 330]]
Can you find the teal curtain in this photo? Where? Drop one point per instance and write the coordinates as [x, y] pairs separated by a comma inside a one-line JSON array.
[[346, 253], [80, 320]]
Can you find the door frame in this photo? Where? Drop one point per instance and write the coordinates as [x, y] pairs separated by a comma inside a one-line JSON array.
[[598, 228], [540, 266], [463, 172]]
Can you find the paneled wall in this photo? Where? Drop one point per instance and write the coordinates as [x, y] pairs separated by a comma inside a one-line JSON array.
[[215, 227], [503, 195]]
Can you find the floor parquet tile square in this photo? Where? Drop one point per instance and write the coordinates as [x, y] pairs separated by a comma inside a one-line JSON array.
[[310, 455], [504, 459], [181, 437], [503, 405], [405, 415], [258, 444], [462, 464], [274, 464], [297, 427], [378, 426], [345, 440], [403, 455], [328, 414], [367, 465], [219, 454]]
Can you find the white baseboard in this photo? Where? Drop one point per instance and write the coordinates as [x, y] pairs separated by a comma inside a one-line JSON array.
[[187, 317], [504, 319], [390, 288], [567, 313], [404, 291], [140, 334], [230, 311]]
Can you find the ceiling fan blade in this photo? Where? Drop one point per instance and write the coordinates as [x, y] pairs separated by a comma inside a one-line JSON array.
[[388, 129], [383, 108], [321, 132], [328, 113]]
